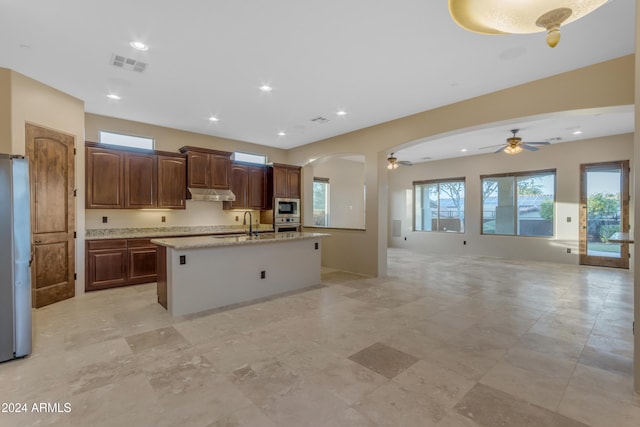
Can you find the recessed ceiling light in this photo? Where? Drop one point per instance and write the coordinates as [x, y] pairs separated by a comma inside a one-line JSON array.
[[341, 113], [213, 119], [139, 45], [113, 96], [464, 150], [577, 132], [281, 133], [266, 88]]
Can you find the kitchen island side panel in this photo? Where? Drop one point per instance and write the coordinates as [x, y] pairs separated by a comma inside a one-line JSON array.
[[220, 276]]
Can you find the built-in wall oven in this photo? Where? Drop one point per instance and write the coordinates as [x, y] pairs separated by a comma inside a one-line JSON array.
[[286, 214]]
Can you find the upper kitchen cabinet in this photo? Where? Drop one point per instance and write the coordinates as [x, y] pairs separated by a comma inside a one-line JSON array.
[[140, 180], [207, 168], [130, 179], [172, 181], [286, 181], [249, 184], [104, 178]]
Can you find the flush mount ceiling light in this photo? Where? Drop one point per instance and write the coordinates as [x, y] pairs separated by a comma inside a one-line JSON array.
[[520, 17], [266, 88], [113, 96], [213, 119], [139, 45], [282, 133], [341, 113]]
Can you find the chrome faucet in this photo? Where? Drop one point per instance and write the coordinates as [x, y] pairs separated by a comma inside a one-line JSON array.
[[244, 222]]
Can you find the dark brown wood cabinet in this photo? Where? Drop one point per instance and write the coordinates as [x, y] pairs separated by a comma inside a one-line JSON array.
[[104, 178], [286, 181], [141, 261], [129, 179], [140, 180], [172, 181], [257, 187], [249, 184], [106, 264], [119, 262], [207, 168]]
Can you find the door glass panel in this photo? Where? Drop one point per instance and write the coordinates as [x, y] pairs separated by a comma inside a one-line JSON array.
[[603, 211]]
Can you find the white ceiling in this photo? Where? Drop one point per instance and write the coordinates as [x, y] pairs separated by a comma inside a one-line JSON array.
[[377, 60]]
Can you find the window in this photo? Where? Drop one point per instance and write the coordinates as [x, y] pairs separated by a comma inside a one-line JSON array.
[[439, 205], [126, 140], [519, 204], [260, 159], [321, 202]]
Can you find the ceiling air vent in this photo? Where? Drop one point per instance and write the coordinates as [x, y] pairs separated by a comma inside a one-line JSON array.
[[320, 119], [128, 63]]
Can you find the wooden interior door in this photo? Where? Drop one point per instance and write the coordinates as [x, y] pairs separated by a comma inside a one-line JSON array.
[[51, 169]]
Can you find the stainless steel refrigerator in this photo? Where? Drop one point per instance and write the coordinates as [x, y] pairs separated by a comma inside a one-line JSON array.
[[15, 255]]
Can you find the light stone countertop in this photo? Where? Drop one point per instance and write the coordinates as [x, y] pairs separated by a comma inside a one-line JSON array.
[[217, 241], [132, 233]]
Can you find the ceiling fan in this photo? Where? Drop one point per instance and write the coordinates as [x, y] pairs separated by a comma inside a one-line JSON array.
[[394, 162], [515, 144]]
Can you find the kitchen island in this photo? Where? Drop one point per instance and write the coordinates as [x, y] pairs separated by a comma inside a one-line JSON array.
[[206, 272]]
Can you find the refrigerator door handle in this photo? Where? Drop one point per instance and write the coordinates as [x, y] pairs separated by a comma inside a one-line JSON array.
[[31, 256]]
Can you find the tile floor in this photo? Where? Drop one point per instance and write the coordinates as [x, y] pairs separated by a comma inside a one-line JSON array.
[[442, 341]]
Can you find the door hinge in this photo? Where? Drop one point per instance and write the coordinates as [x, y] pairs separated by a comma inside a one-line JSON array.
[[74, 151], [74, 235], [75, 276], [75, 192]]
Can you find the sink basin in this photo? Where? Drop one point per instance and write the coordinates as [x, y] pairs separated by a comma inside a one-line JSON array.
[[245, 237]]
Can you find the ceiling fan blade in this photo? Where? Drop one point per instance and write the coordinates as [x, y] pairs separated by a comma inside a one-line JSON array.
[[528, 147], [405, 162], [502, 147], [538, 143], [491, 146]]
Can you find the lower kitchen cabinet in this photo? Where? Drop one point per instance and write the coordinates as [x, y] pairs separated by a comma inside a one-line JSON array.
[[119, 262], [106, 264]]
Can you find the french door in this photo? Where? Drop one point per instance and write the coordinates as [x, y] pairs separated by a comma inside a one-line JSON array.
[[604, 210]]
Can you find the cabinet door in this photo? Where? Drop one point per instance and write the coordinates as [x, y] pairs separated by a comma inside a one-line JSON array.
[[240, 186], [198, 168], [280, 182], [106, 264], [293, 183], [104, 179], [172, 182], [142, 264], [220, 170], [140, 180], [257, 187]]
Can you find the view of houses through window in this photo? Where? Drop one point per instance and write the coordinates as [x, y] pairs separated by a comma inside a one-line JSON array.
[[439, 205], [520, 204]]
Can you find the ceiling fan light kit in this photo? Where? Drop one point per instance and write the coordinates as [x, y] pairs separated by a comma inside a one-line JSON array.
[[521, 17], [393, 162]]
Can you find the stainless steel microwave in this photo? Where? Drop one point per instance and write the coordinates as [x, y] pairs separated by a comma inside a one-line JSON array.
[[286, 208]]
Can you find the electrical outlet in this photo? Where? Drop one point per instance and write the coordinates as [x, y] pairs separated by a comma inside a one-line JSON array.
[[263, 274], [237, 218], [464, 242], [164, 218], [104, 219], [568, 250], [568, 219], [183, 259]]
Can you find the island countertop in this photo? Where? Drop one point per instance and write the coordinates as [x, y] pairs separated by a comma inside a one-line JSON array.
[[216, 241]]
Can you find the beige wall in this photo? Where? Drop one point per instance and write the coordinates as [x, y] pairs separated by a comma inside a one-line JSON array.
[[35, 103], [607, 84], [5, 111], [566, 158], [346, 192], [167, 139]]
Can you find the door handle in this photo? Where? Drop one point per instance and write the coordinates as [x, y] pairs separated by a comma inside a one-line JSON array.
[[37, 241]]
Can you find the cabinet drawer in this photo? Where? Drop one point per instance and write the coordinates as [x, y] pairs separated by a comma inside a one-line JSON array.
[[140, 243], [106, 244]]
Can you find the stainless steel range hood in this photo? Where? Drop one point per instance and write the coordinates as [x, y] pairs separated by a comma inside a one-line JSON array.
[[212, 194]]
